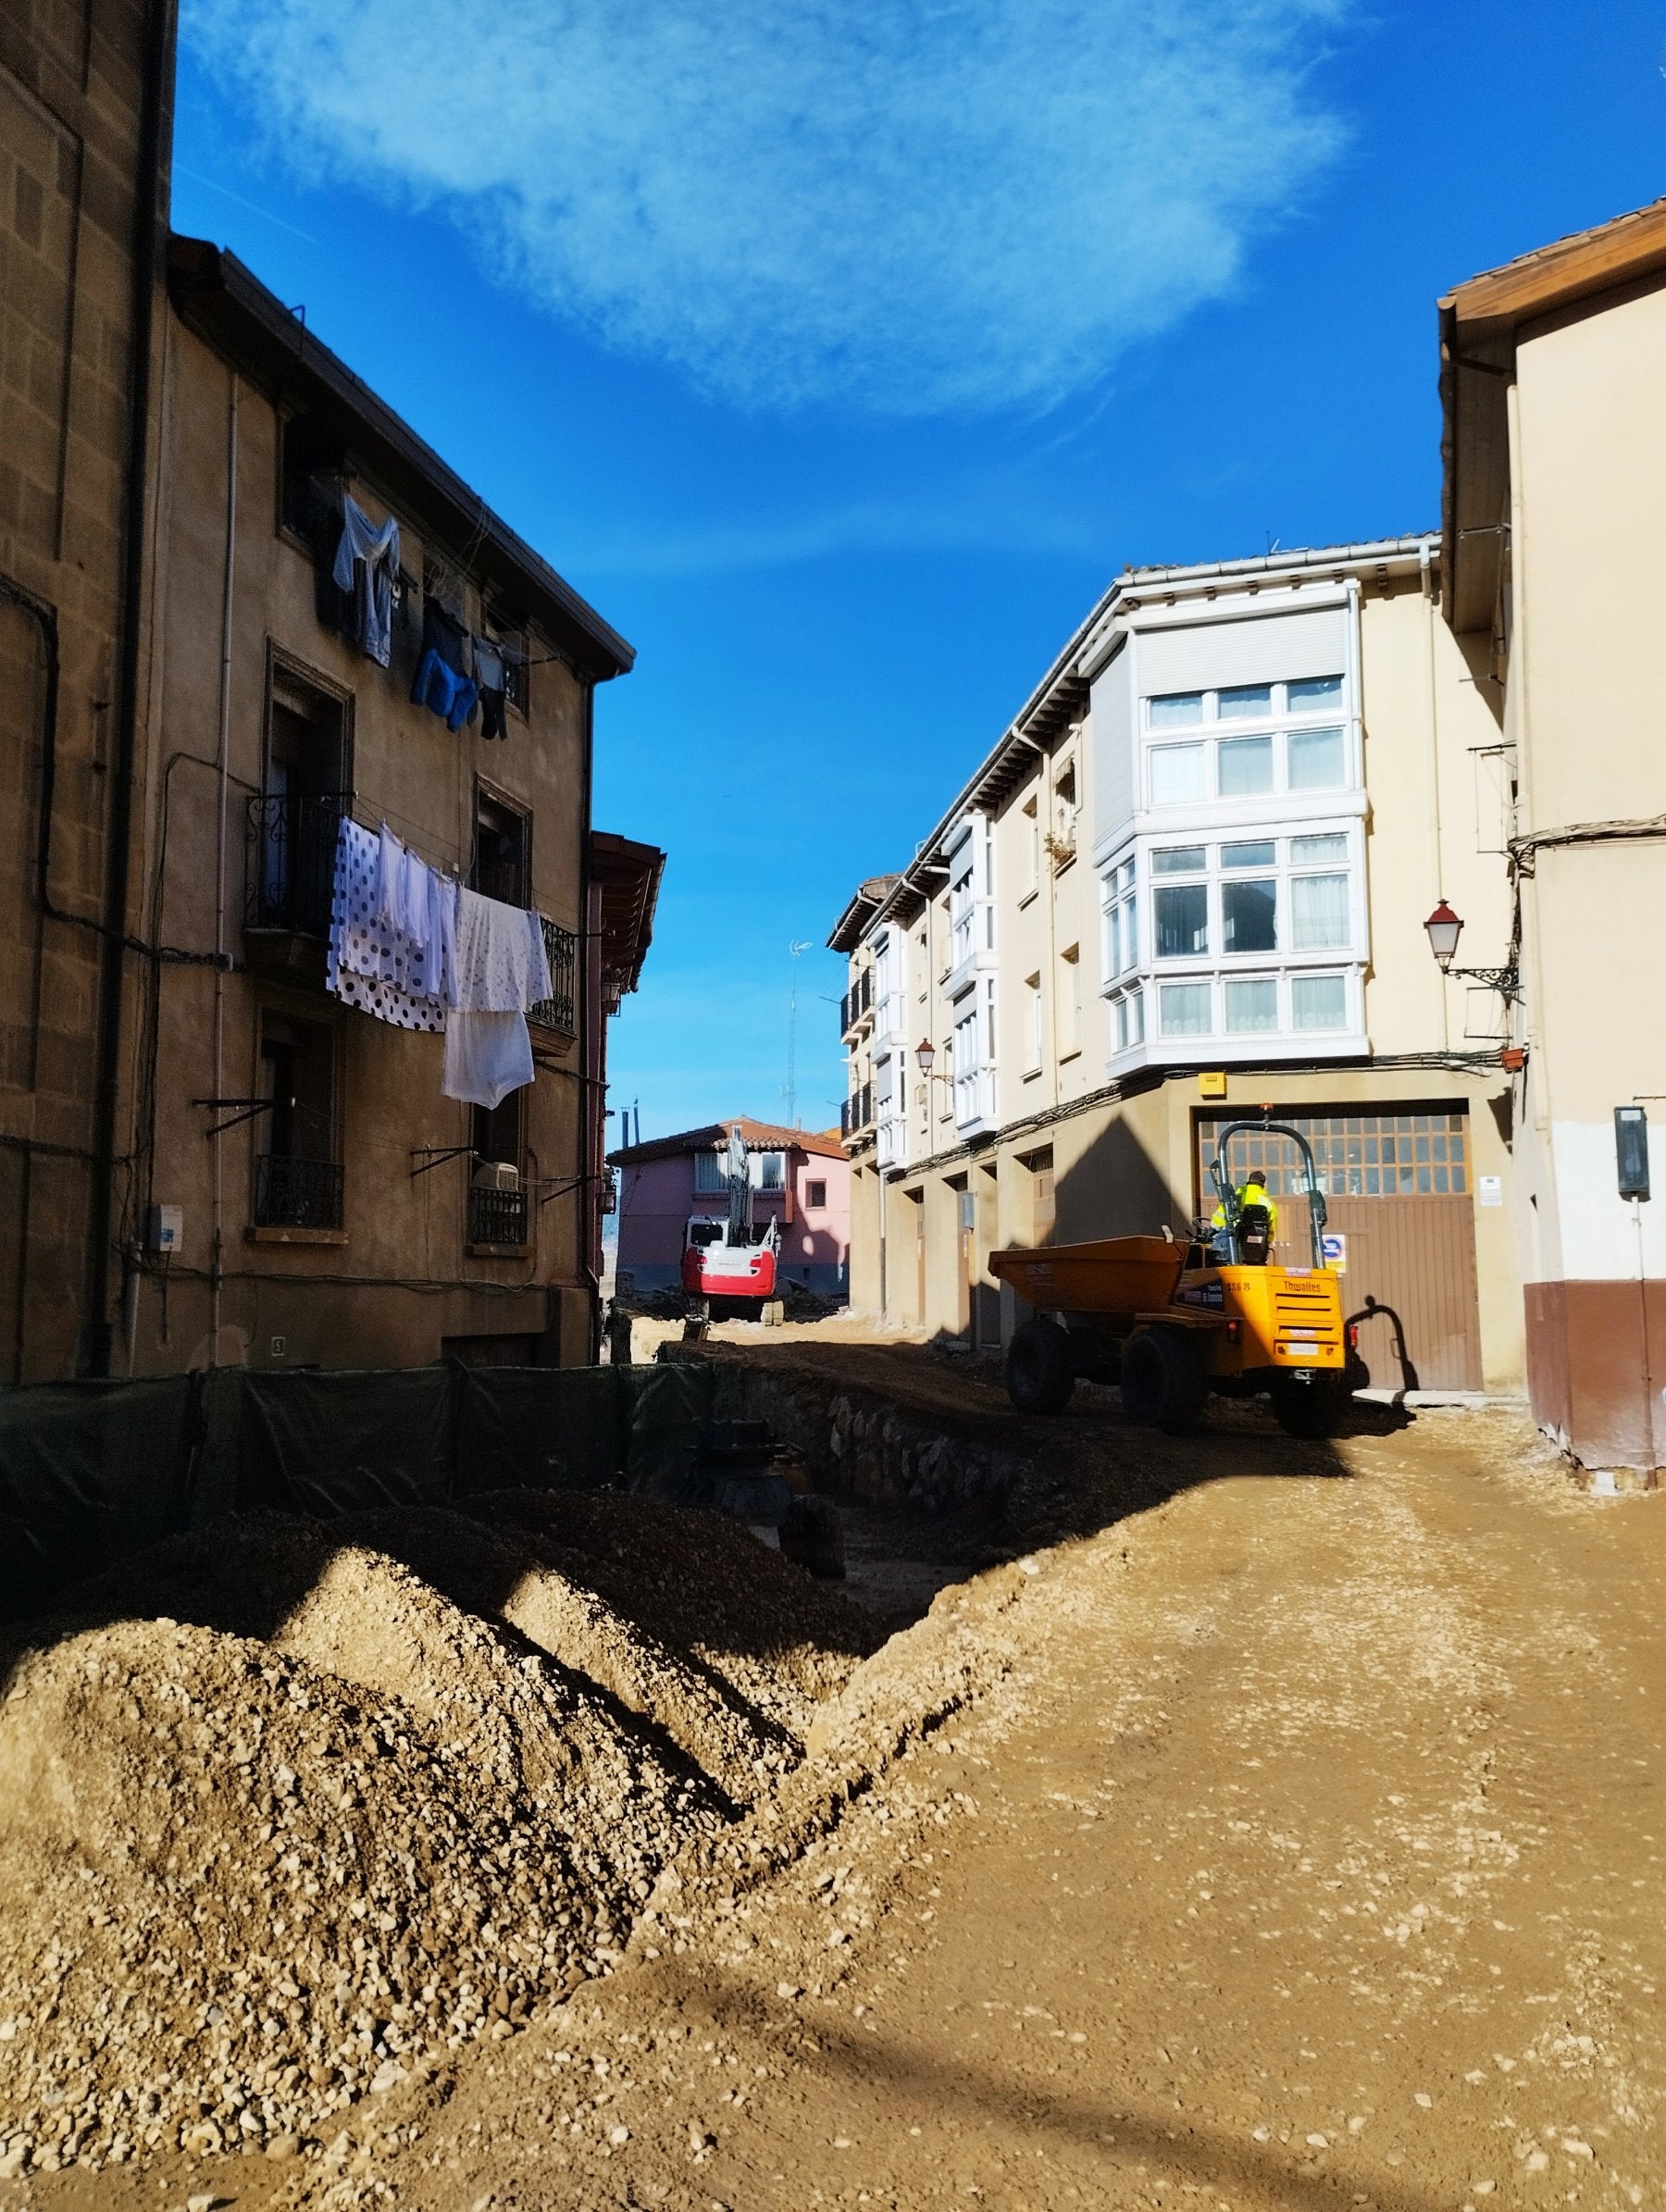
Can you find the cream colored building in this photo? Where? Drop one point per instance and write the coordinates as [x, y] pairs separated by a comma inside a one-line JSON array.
[[1553, 540], [1191, 880]]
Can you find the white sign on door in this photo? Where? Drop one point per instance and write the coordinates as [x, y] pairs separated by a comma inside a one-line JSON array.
[[1490, 1190], [1335, 1247]]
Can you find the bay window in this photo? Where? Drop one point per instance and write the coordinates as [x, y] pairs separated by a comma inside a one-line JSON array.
[[1184, 1008], [1319, 1002]]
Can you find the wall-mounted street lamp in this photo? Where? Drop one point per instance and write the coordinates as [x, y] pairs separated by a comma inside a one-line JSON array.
[[1445, 928], [925, 1059]]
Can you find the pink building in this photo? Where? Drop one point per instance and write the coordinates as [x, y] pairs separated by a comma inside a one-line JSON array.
[[800, 1177]]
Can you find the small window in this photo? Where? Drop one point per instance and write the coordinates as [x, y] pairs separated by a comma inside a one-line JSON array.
[[509, 633], [1175, 709], [1182, 917], [1245, 766], [294, 823], [298, 1177], [502, 856], [1127, 1020], [1319, 1002], [1179, 860], [1180, 775], [1249, 914], [1033, 1023], [1248, 702], [711, 1171], [815, 1196], [1316, 761], [310, 465], [772, 1165], [1070, 1000], [1316, 694], [1184, 1008], [1327, 851], [1254, 852], [1252, 1005]]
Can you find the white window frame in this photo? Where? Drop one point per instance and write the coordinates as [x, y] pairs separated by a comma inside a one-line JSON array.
[[1280, 723]]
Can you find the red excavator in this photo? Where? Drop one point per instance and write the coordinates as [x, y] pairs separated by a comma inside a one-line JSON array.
[[732, 1261]]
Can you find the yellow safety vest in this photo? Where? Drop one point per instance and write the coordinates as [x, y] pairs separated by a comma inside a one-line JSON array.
[[1218, 1218]]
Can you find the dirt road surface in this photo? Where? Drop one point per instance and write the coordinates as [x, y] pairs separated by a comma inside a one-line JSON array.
[[1294, 1841]]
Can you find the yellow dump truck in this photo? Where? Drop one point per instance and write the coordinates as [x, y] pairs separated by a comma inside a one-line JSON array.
[[1171, 1321]]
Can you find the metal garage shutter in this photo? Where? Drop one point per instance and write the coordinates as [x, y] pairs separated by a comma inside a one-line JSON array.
[[1398, 1187]]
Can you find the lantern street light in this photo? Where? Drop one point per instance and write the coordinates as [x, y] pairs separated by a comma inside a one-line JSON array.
[[925, 1059], [1444, 928]]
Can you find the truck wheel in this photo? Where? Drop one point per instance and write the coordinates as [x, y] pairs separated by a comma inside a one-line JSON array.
[[1311, 1409], [1038, 1375], [1162, 1385]]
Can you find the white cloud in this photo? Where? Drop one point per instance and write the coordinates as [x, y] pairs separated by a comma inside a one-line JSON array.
[[913, 207]]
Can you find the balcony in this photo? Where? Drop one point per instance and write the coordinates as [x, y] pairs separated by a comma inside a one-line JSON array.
[[291, 849], [856, 1115], [558, 1012], [298, 1194], [857, 1002], [497, 1218]]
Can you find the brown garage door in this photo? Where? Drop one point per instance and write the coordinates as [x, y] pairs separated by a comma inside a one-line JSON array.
[[1396, 1185]]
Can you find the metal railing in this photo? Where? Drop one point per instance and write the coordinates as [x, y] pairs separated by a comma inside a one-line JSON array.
[[857, 1112], [856, 1001], [297, 1194], [557, 1011], [497, 1216], [291, 846]]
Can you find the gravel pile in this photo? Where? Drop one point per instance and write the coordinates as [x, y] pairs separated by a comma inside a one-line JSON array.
[[288, 1811]]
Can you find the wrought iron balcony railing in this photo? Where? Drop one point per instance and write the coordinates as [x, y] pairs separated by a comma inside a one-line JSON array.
[[857, 1112], [290, 845], [497, 1216], [558, 1011], [297, 1194]]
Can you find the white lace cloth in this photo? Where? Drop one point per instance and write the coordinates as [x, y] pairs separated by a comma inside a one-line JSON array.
[[502, 970]]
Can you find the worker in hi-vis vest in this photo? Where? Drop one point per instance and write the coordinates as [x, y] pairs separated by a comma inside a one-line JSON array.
[[1252, 1193]]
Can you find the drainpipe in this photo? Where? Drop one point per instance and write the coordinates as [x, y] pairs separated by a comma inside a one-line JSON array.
[[96, 1324], [593, 1088], [1426, 574], [221, 957]]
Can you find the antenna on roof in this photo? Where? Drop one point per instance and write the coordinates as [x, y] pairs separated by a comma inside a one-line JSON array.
[[798, 947]]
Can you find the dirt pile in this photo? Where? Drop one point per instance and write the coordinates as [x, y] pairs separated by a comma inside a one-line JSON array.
[[289, 1811]]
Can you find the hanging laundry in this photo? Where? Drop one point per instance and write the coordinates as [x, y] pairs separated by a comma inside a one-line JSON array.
[[402, 975], [502, 970], [490, 675], [442, 683], [367, 562]]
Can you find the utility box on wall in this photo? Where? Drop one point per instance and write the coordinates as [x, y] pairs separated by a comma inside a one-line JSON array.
[[165, 1230], [1630, 1150]]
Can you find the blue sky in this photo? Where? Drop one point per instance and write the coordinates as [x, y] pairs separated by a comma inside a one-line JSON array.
[[841, 356]]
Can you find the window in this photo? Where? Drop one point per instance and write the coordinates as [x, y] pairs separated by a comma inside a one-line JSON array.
[[1319, 919], [1181, 914], [1065, 811], [1252, 1005], [294, 823], [508, 631], [1175, 709], [1262, 853], [1180, 860], [1319, 1002], [1324, 692], [1180, 775], [1249, 914], [1042, 1204], [499, 1212], [1357, 1155], [1184, 1008], [1242, 766], [1248, 702], [1033, 1018], [711, 1171], [815, 1196], [772, 1167], [502, 852], [1070, 1001], [1122, 934], [298, 1178], [1315, 760], [989, 1017], [1245, 766], [1127, 1020], [962, 911], [1032, 838], [310, 462]]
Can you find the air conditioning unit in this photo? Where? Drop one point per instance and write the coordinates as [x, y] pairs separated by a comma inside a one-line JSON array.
[[496, 1174]]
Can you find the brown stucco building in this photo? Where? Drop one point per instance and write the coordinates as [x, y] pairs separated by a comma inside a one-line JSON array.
[[204, 1157], [85, 92]]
